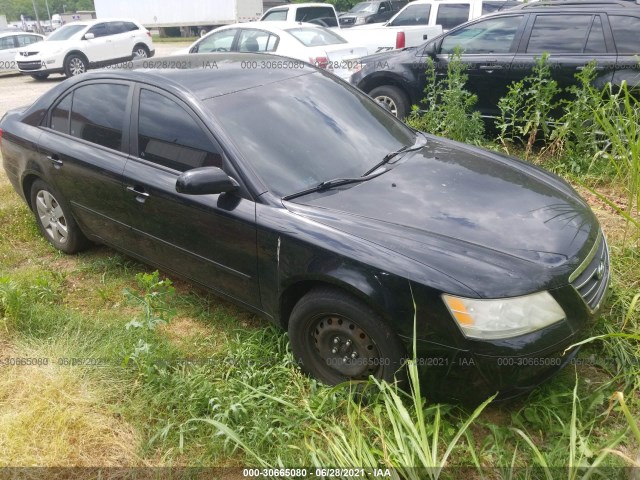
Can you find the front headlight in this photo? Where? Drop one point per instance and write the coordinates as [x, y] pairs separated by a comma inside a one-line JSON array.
[[505, 317], [360, 21]]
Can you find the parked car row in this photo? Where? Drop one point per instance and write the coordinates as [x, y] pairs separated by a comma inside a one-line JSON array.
[[503, 47]]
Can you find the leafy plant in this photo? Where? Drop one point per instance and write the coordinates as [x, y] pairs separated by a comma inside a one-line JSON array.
[[153, 300], [525, 112], [448, 108]]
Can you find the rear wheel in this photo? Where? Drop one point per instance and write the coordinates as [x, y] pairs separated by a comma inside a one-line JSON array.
[[338, 338], [392, 98], [54, 219]]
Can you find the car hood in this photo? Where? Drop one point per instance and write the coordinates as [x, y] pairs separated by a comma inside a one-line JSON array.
[[499, 226], [45, 47]]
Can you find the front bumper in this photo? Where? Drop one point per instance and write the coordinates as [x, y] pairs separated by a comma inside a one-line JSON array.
[[37, 64]]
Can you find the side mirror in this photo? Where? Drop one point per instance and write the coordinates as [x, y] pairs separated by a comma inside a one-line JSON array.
[[89, 36], [205, 181], [194, 49], [431, 50]]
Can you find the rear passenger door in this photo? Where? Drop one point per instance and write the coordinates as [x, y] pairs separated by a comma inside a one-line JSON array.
[[84, 145], [572, 41], [210, 239]]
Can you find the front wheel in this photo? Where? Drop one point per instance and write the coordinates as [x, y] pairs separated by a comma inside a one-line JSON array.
[[337, 338], [393, 99], [54, 219], [74, 65], [140, 51]]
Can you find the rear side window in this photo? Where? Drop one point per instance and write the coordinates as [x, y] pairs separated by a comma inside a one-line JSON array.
[[169, 136], [60, 115], [595, 41], [275, 16], [256, 41], [452, 15], [559, 33], [98, 114], [24, 40], [413, 15], [625, 33], [493, 35]]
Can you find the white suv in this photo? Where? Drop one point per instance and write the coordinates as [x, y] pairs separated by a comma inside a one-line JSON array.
[[79, 46]]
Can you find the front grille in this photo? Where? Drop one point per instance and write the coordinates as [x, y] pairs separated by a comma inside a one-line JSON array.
[[347, 21], [592, 276], [30, 65], [28, 54]]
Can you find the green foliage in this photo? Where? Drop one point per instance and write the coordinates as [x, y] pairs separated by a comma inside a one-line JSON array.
[[525, 112], [14, 8], [448, 108], [153, 300]]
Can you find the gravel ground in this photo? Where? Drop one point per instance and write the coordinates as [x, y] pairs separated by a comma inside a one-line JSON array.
[[17, 90]]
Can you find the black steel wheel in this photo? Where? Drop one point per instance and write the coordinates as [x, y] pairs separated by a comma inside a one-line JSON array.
[[54, 219], [336, 338]]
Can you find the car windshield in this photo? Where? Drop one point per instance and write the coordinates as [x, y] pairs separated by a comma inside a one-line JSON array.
[[364, 7], [65, 33], [299, 132], [314, 37]]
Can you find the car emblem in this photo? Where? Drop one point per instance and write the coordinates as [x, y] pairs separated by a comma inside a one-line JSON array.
[[24, 54], [600, 271]]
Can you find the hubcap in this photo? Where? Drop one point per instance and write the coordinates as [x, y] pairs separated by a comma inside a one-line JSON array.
[[51, 217], [140, 53], [389, 103], [346, 348], [76, 66]]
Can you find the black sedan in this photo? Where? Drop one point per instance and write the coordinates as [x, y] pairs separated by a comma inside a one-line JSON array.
[[277, 185]]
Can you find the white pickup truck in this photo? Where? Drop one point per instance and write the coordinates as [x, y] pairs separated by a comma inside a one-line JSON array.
[[376, 38]]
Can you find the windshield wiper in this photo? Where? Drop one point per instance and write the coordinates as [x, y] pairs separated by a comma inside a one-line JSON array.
[[389, 156], [328, 184]]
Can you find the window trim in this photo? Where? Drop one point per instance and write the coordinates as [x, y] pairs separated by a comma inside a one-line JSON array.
[[133, 127], [253, 29], [45, 124]]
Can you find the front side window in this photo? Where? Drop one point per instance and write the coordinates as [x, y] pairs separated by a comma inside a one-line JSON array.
[[452, 15], [413, 15], [100, 30], [595, 41], [169, 136], [559, 33], [217, 42], [98, 114], [489, 36], [625, 33]]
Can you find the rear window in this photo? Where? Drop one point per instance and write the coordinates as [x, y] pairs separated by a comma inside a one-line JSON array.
[[306, 14], [548, 29], [315, 37], [412, 15], [452, 15]]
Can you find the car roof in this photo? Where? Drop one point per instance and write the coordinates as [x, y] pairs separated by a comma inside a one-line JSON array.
[[579, 4], [94, 21], [207, 75], [6, 33]]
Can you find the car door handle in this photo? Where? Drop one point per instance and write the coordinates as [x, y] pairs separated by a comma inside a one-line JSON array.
[[490, 67], [598, 67], [53, 158], [141, 195]]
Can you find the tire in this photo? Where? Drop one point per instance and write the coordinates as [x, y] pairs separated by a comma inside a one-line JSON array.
[[40, 76], [140, 51], [337, 338], [392, 98], [54, 219], [74, 65]]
